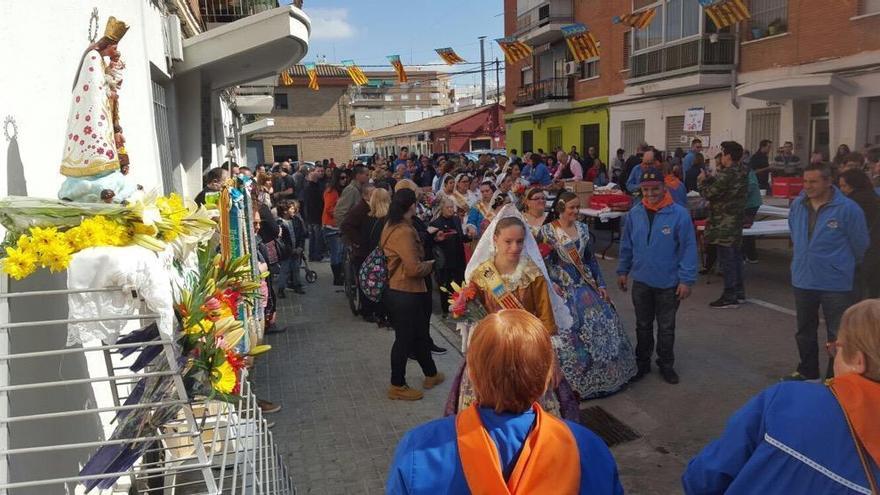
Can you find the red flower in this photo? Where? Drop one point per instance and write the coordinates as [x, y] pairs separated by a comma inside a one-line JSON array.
[[110, 154], [88, 118], [545, 249], [100, 151], [235, 360], [76, 137], [87, 129]]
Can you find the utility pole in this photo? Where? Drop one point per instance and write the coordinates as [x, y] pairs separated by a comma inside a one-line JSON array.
[[497, 81], [483, 66]]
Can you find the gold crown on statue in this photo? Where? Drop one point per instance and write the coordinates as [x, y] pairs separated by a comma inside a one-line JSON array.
[[115, 29]]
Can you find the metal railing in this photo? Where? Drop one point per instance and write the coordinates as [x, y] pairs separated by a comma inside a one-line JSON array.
[[697, 55], [547, 12], [554, 89], [222, 11]]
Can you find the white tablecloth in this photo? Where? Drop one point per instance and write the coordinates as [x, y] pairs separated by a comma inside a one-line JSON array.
[[603, 216], [768, 227], [773, 211]]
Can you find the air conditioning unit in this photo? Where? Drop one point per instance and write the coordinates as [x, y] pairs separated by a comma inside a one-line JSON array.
[[571, 68], [173, 37]]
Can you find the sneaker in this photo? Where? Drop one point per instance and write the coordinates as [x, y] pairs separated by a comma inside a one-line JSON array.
[[797, 377], [404, 393], [740, 298], [724, 303], [669, 375], [433, 381], [274, 329], [435, 349], [267, 407]]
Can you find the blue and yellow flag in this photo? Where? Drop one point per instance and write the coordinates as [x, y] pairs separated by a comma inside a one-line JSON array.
[[581, 42], [449, 56], [355, 72], [725, 13], [637, 20], [514, 50], [312, 72], [398, 67]]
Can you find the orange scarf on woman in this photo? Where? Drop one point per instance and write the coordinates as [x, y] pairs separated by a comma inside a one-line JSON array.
[[859, 398], [548, 464], [671, 181]]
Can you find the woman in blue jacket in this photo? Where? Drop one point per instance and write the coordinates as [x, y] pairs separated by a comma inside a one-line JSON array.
[[800, 437]]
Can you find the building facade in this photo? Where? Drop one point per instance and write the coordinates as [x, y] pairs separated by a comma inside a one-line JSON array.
[[804, 72], [383, 102], [308, 125], [479, 128]]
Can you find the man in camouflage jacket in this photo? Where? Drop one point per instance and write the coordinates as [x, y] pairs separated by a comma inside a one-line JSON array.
[[726, 192]]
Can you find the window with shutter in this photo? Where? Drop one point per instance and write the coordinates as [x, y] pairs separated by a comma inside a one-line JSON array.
[[632, 134], [677, 138], [627, 49], [761, 123]]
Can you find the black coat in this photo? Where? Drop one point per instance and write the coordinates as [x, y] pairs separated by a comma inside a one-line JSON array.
[[313, 206], [453, 246]]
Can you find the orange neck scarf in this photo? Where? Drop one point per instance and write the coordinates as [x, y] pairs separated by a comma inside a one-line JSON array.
[[671, 181], [860, 399], [548, 464], [663, 203]]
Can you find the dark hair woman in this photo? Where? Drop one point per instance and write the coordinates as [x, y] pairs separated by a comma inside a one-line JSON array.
[[856, 185], [330, 229], [405, 298]]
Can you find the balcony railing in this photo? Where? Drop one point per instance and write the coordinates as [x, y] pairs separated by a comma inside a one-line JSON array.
[[555, 89], [222, 11], [546, 13], [699, 55]]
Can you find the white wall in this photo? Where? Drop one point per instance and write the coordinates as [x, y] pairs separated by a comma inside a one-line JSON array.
[[728, 122], [37, 77]]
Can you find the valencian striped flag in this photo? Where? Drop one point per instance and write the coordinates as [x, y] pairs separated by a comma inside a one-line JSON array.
[[638, 20], [312, 72], [581, 42], [398, 67], [726, 12], [355, 72], [449, 56], [286, 79], [514, 50]]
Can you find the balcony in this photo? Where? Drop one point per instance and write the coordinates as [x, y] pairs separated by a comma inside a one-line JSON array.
[[542, 24], [545, 95], [700, 55], [256, 97], [224, 11]]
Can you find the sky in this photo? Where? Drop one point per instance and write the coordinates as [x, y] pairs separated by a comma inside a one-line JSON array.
[[368, 30]]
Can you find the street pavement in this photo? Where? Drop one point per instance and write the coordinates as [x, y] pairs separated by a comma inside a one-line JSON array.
[[330, 372]]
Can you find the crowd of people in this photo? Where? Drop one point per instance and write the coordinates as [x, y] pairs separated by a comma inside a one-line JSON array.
[[445, 221]]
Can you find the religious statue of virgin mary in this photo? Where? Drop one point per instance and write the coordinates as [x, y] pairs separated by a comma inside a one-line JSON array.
[[94, 147]]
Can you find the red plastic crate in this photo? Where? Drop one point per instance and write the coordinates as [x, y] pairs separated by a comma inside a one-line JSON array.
[[787, 187], [613, 201]]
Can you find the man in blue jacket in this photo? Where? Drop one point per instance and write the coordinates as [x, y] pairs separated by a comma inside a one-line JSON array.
[[829, 237], [659, 250]]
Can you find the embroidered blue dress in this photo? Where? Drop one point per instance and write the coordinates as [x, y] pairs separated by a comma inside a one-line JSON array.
[[595, 354]]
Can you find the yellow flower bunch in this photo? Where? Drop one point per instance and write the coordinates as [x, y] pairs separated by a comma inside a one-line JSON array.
[[19, 262], [201, 327], [223, 378], [173, 212]]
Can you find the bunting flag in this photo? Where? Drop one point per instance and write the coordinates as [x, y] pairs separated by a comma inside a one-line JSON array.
[[355, 72], [637, 20], [398, 67], [286, 80], [725, 13], [514, 50], [312, 71], [449, 56], [581, 42]]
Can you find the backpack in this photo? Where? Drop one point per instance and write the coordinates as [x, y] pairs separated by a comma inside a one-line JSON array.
[[373, 275]]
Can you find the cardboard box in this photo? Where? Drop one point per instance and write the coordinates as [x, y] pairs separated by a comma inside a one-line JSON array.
[[583, 190]]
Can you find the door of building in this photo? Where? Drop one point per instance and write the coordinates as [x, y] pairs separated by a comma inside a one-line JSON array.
[[254, 152], [590, 137], [527, 138], [632, 134], [554, 139], [820, 132], [281, 152]]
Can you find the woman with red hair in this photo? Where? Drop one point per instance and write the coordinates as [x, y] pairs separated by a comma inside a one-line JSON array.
[[505, 442]]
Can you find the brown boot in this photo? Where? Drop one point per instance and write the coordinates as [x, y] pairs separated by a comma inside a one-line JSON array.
[[433, 381], [404, 393]]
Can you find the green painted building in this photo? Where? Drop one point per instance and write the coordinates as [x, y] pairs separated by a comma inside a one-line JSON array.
[[584, 124]]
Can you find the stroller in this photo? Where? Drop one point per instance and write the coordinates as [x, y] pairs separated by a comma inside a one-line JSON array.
[[311, 275]]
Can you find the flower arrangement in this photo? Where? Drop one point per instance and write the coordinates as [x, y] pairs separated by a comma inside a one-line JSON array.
[[463, 303], [44, 234]]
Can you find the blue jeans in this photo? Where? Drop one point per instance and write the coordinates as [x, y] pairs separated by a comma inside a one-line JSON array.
[[281, 278], [731, 261], [296, 271], [334, 243], [807, 303], [316, 242]]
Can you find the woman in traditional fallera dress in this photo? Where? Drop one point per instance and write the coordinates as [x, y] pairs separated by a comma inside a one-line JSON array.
[[594, 353], [534, 206], [481, 213], [507, 272]]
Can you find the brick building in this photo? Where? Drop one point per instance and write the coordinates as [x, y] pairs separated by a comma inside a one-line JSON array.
[[308, 125], [806, 71], [384, 102]]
